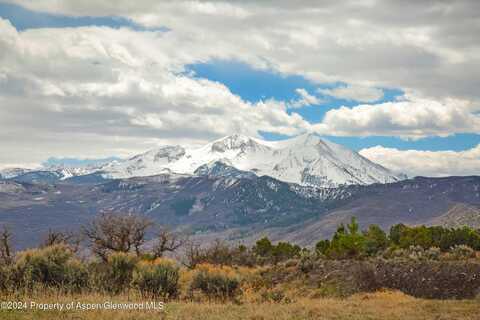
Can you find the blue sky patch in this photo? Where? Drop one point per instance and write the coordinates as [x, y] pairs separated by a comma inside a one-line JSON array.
[[254, 85], [23, 19], [457, 142]]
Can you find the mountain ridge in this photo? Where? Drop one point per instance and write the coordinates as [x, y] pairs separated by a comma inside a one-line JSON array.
[[306, 160], [236, 207]]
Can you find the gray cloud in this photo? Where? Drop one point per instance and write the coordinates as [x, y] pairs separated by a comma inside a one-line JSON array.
[[423, 46], [94, 92], [355, 93]]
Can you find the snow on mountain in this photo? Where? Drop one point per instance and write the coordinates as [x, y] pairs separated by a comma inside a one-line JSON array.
[[222, 168], [306, 160], [65, 172], [56, 172], [12, 172], [153, 162]]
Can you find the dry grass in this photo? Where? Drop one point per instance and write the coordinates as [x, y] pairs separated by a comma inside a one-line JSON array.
[[381, 305]]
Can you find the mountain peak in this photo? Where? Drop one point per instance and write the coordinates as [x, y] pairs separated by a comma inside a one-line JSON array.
[[306, 159], [235, 138], [233, 142], [309, 138]]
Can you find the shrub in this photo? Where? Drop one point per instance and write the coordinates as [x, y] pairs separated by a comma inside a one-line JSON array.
[[347, 242], [243, 256], [375, 240], [263, 247], [322, 246], [344, 278], [275, 295], [284, 251], [291, 263], [332, 289], [4, 278], [460, 252], [416, 252], [394, 252], [76, 276], [109, 233], [115, 275], [268, 252], [156, 279], [430, 279], [6, 250], [436, 236], [433, 253], [52, 266], [215, 282], [307, 260]]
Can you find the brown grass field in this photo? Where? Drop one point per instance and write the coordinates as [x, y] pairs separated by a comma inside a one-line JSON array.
[[389, 305]]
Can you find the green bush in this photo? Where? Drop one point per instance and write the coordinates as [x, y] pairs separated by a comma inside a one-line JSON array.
[[156, 279], [115, 275], [375, 240], [76, 276], [53, 266], [270, 253], [322, 246], [347, 242], [216, 284], [436, 236]]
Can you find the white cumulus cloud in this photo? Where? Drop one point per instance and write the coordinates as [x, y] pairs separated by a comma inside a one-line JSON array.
[[426, 163], [119, 91], [97, 87], [412, 118]]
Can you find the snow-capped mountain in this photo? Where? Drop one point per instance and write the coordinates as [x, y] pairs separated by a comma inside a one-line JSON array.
[[65, 172], [306, 160], [12, 172]]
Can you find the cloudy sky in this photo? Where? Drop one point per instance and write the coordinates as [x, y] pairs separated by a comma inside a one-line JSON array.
[[398, 81]]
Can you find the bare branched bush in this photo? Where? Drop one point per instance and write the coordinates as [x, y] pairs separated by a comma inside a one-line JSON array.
[[68, 239], [219, 253], [167, 241], [6, 250], [193, 255], [117, 233]]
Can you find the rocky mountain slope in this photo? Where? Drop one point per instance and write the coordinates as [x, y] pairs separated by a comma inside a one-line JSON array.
[[238, 206]]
